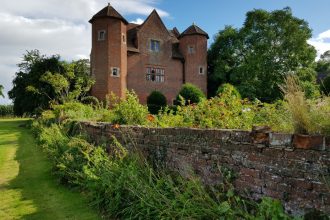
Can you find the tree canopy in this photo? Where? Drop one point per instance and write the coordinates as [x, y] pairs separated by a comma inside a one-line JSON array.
[[323, 71], [257, 57], [1, 91], [42, 80]]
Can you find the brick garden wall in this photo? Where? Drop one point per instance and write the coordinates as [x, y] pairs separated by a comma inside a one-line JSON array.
[[300, 178]]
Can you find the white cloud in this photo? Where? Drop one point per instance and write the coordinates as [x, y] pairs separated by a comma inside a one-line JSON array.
[[321, 42], [138, 21], [53, 27]]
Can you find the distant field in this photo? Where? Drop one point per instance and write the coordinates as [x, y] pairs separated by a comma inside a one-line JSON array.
[[27, 188]]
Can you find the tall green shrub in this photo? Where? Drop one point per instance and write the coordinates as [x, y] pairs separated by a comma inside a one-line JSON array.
[[156, 101], [191, 94], [6, 110], [228, 89], [129, 111]]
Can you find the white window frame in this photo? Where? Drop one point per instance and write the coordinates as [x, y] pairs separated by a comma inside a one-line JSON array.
[[191, 49], [199, 70], [118, 71], [155, 74], [153, 45], [101, 37]]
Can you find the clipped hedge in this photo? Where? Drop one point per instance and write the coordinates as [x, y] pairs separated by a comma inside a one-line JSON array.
[[156, 101], [191, 94]]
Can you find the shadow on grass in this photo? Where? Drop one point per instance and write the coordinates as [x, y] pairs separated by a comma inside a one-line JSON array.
[[38, 194]]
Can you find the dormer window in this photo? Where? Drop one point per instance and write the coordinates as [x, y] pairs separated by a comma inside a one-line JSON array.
[[101, 35], [155, 45]]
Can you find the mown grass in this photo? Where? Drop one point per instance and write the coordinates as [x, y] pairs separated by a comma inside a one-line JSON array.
[[27, 188]]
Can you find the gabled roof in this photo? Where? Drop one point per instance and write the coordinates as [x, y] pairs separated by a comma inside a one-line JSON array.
[[154, 15], [176, 32], [108, 12], [194, 30]]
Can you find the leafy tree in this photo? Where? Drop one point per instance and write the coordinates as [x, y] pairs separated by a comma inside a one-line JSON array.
[[325, 85], [257, 57], [190, 93], [43, 80], [156, 101], [323, 71], [1, 91]]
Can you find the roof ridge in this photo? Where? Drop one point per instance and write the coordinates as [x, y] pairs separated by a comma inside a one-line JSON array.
[[194, 30], [108, 11]]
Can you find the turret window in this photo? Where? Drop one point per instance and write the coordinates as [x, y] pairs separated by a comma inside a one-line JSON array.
[[124, 38], [101, 35], [155, 45], [191, 49], [155, 74], [201, 70], [115, 72]]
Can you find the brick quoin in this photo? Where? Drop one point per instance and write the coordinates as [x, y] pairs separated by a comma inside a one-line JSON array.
[[127, 46]]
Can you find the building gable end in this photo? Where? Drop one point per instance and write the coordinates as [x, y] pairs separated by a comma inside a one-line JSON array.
[[154, 18]]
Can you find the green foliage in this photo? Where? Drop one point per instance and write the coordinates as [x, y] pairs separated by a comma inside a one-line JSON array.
[[129, 111], [124, 186], [276, 115], [228, 89], [256, 58], [156, 101], [271, 209], [6, 110], [325, 85], [224, 111], [308, 116], [90, 100], [1, 91], [190, 93], [42, 81]]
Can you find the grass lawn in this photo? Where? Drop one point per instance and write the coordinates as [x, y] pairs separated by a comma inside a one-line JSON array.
[[27, 188]]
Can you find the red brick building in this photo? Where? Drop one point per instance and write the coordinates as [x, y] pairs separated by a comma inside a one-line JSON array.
[[145, 57]]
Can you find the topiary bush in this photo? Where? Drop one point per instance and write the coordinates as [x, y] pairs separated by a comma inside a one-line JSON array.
[[190, 93], [156, 101]]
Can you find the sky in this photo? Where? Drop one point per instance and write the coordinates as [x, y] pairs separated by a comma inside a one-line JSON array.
[[61, 26]]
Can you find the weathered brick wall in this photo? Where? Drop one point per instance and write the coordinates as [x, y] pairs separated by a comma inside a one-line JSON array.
[[298, 177]]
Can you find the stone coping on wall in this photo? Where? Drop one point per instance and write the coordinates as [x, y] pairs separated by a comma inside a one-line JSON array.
[[271, 139]]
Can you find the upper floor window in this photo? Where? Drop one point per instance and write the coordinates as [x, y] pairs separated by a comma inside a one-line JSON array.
[[191, 49], [155, 45], [115, 72], [101, 35], [201, 70], [155, 74], [124, 38]]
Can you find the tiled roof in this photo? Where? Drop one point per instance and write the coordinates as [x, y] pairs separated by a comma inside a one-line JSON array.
[[132, 37], [193, 30], [110, 12], [176, 53]]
